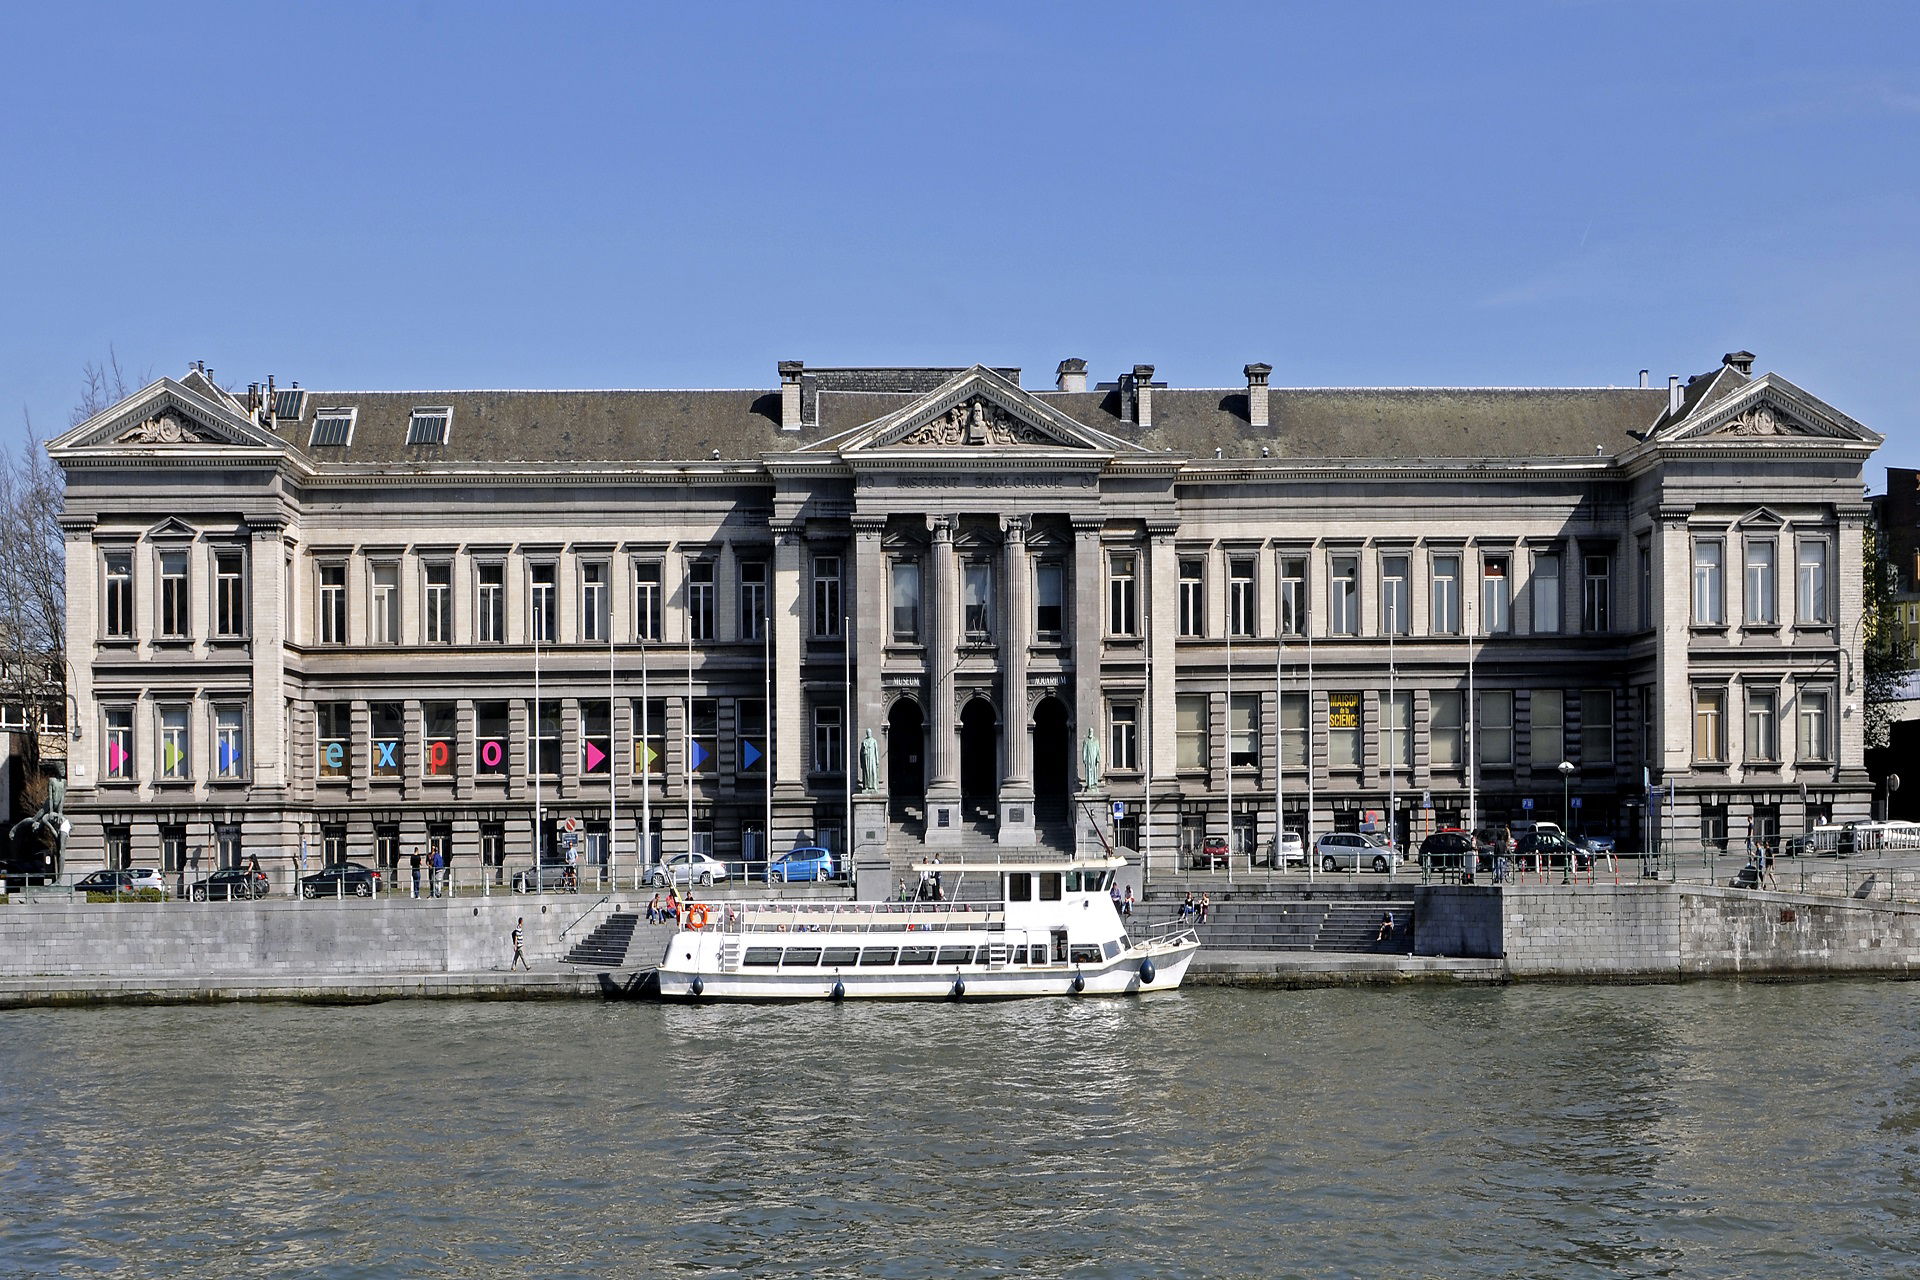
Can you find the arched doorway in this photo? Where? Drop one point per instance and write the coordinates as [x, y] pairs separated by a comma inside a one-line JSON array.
[[906, 754], [979, 756], [1052, 759]]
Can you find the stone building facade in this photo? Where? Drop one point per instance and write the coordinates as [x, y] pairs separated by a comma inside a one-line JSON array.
[[375, 620]]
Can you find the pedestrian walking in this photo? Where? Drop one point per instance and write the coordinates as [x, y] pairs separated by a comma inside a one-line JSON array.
[[437, 872], [519, 945], [413, 860]]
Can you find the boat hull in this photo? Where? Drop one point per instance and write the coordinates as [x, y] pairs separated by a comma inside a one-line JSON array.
[[1123, 975]]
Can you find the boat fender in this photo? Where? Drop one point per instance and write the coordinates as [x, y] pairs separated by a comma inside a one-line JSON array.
[[697, 986], [1146, 972], [1078, 984], [839, 991], [959, 987]]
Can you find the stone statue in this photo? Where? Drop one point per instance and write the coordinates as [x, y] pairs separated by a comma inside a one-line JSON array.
[[1090, 762], [869, 764], [52, 816]]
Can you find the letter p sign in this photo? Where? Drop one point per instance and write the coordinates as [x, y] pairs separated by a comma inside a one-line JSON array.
[[437, 757]]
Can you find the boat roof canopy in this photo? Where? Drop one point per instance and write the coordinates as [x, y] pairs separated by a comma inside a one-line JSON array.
[[1003, 865]]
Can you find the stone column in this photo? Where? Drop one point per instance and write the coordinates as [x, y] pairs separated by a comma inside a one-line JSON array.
[[788, 709], [1016, 634], [1162, 621], [874, 623], [1089, 583], [943, 788]]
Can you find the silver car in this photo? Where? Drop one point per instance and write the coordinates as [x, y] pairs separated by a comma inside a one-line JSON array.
[[688, 868], [1352, 851]]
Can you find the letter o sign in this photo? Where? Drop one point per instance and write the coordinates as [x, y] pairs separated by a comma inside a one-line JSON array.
[[491, 755]]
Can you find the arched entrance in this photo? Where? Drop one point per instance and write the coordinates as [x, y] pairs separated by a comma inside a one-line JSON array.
[[979, 756], [906, 754], [1052, 757]]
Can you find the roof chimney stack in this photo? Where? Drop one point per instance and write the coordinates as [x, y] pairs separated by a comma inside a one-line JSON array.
[[790, 371], [1138, 395], [1071, 375], [1741, 362], [1257, 375], [273, 404], [1673, 396], [1643, 378]]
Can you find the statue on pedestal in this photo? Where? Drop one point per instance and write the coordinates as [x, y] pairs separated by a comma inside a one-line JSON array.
[[1090, 762], [869, 764]]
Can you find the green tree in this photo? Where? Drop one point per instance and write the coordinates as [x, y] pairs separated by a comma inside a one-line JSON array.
[[1883, 657]]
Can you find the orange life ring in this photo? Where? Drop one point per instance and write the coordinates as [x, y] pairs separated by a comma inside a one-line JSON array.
[[697, 916]]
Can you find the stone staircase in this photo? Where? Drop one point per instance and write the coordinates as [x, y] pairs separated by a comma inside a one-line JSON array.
[[1303, 923], [606, 947]]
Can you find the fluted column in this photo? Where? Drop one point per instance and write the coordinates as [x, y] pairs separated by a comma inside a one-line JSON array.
[[1016, 633], [943, 746], [1089, 583]]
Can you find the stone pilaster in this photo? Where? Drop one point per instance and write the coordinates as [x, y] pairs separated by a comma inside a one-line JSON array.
[[1016, 825], [943, 787]]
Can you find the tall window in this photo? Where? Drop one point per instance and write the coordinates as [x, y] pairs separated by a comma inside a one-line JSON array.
[[172, 623], [389, 726], [1596, 593], [118, 611], [1596, 726], [1546, 594], [333, 603], [753, 599], [1446, 729], [1293, 595], [700, 600], [646, 600], [230, 594], [490, 604], [1190, 730], [493, 739], [1763, 726], [384, 617], [594, 620], [1812, 579], [826, 597], [333, 757], [1710, 726], [1123, 595], [1193, 596], [1496, 727], [976, 587], [1446, 595], [1761, 593], [118, 761], [1293, 731], [1343, 730], [1816, 741], [1346, 596], [703, 735], [439, 759], [750, 728], [1049, 599], [1549, 724], [1393, 596], [437, 601], [596, 737], [546, 737], [1396, 721], [827, 738], [1496, 596], [1645, 557], [541, 599], [1240, 602], [175, 760], [905, 599], [1243, 731], [650, 737], [1123, 736], [1708, 597], [230, 741]]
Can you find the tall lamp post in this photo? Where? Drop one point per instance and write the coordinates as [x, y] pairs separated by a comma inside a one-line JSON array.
[[1566, 825]]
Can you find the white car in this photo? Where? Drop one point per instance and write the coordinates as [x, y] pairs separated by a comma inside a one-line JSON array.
[[1352, 851], [1293, 852], [688, 868]]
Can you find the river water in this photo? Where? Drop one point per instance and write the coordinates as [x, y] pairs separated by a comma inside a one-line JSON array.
[[1714, 1129]]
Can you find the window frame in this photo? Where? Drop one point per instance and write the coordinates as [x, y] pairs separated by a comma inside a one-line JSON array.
[[1243, 604], [828, 600], [1123, 735], [1546, 723], [1596, 592], [829, 739], [1816, 611], [1343, 595], [1190, 739], [181, 735], [596, 600], [330, 602], [751, 621], [230, 615], [1446, 731], [436, 602], [1597, 736], [1491, 730], [116, 585], [1762, 721], [1123, 595], [1042, 571], [1444, 602], [346, 415], [976, 600], [1762, 587], [173, 594], [903, 619], [1496, 593], [1192, 598], [422, 428], [237, 766], [648, 593], [490, 602], [122, 733], [1396, 594], [698, 595], [543, 620], [1340, 701], [1806, 717], [1710, 718], [1293, 587], [1544, 585], [1708, 599], [1243, 740], [383, 601]]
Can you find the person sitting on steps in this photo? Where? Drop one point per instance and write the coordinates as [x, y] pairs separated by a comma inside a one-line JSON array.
[[1386, 928]]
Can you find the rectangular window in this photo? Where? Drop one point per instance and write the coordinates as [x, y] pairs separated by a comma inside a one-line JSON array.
[[1446, 595], [1646, 583], [1293, 595], [1193, 597], [333, 603], [1243, 731], [594, 620], [1549, 725], [1049, 600], [175, 761], [490, 605], [1293, 731], [1446, 729], [333, 756], [118, 610], [541, 599], [429, 426], [1190, 730], [1816, 742], [1596, 593], [1240, 601], [1346, 596], [118, 764], [1709, 600], [703, 730], [1596, 727], [1123, 736], [700, 600], [1761, 593], [650, 736], [1763, 726], [753, 599], [1546, 594], [1343, 730], [1496, 596], [1812, 579], [1496, 727], [332, 427], [826, 597], [440, 758], [546, 737], [750, 728], [389, 725], [1123, 596], [976, 588], [1713, 825], [596, 738], [383, 620], [230, 594], [646, 600], [905, 589], [1710, 726], [493, 739], [172, 622], [119, 847], [1393, 596], [437, 602], [1396, 719], [827, 744], [230, 741]]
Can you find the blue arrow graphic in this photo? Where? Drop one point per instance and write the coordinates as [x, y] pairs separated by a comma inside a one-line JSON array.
[[699, 754], [750, 754]]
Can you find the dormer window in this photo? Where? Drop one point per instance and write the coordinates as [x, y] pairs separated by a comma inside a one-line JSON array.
[[332, 427], [429, 426]]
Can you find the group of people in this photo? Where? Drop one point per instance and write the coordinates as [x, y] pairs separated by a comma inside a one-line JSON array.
[[1196, 909], [436, 872], [1123, 903], [664, 909]]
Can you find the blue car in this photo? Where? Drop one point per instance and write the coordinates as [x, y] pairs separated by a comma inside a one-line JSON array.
[[801, 864]]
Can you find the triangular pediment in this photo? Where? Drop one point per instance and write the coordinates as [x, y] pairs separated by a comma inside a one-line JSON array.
[[172, 528], [1768, 409], [168, 414], [1761, 518], [976, 409]]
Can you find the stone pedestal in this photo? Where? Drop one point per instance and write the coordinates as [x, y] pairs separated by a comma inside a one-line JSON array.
[[1089, 809], [1016, 821], [872, 870], [944, 818]]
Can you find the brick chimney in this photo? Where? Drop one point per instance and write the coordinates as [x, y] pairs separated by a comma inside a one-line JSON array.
[[1138, 396], [1071, 375], [1257, 375], [1741, 362], [790, 373]]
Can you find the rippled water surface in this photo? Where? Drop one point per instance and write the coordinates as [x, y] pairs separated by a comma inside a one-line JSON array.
[[1710, 1130]]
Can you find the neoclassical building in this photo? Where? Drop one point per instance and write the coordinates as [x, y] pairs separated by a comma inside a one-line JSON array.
[[375, 619]]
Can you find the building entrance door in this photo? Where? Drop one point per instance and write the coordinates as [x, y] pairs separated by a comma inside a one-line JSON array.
[[906, 750], [1052, 766], [979, 757]]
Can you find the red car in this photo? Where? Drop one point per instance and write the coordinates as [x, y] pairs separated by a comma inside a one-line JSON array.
[[1212, 855]]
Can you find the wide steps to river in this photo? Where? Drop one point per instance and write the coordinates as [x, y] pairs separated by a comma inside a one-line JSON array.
[[1268, 924], [606, 947]]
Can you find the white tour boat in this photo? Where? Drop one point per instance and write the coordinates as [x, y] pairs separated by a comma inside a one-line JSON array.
[[1052, 931]]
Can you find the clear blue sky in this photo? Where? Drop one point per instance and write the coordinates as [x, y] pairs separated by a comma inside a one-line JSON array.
[[579, 195]]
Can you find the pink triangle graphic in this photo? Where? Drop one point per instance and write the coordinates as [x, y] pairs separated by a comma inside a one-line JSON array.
[[116, 756], [594, 756]]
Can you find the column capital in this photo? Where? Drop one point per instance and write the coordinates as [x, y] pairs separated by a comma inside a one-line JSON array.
[[1015, 528], [942, 527]]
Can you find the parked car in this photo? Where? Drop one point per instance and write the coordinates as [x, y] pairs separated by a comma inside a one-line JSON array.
[[1351, 851], [548, 875], [1213, 854], [341, 880], [106, 882], [688, 868], [1595, 846], [146, 878], [230, 884], [805, 863], [1550, 849], [1293, 852], [1448, 849]]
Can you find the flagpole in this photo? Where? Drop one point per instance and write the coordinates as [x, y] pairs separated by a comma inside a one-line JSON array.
[[645, 846], [846, 738], [1473, 735], [533, 740], [686, 752], [766, 697], [1306, 834], [613, 760], [1279, 734], [1230, 831]]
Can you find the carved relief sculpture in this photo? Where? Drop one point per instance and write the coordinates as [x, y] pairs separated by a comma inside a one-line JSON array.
[[977, 423], [165, 428], [1758, 421]]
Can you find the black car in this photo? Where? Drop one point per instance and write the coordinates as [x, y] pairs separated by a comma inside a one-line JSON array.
[[230, 885], [1446, 851], [340, 880], [1551, 849], [105, 882]]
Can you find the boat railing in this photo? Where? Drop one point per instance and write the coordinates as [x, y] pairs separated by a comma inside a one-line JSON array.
[[1171, 931], [852, 917]]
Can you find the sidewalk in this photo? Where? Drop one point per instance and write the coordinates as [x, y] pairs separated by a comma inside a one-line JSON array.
[[357, 988], [1334, 969]]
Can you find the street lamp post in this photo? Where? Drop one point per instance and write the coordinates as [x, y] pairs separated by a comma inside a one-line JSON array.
[[1566, 824]]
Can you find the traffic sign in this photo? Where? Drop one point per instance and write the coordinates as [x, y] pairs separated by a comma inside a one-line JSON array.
[[1426, 799], [1527, 803], [571, 825], [1119, 808], [1575, 802]]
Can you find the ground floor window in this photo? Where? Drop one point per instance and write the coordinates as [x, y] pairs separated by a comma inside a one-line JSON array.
[[119, 847], [1713, 825], [333, 842]]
